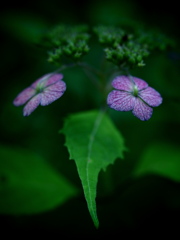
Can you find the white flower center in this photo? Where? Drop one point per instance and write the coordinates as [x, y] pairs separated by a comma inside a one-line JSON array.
[[135, 91]]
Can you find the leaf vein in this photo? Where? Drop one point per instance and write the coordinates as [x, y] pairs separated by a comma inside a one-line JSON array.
[[89, 160]]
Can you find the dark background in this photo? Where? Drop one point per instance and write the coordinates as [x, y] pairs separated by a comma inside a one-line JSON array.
[[135, 205]]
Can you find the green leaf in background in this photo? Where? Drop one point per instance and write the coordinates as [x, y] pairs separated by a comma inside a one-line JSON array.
[[28, 184], [94, 143], [162, 159], [24, 26]]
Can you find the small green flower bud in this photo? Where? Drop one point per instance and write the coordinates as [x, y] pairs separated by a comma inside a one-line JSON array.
[[141, 64], [132, 59], [139, 58], [77, 55]]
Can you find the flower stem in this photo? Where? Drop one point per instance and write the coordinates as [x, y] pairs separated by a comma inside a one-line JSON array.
[[65, 66], [90, 68]]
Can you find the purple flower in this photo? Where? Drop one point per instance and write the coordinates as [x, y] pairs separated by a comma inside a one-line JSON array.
[[133, 94], [42, 92]]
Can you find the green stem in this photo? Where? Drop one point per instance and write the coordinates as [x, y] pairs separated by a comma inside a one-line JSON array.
[[92, 73], [65, 66], [97, 77], [90, 68]]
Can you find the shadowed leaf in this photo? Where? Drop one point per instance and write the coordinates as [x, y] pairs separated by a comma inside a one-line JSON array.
[[162, 159], [28, 184]]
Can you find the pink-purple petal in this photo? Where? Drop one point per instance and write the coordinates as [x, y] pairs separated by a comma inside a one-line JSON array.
[[121, 100], [53, 79], [151, 97], [32, 105], [142, 110], [126, 83], [24, 96], [58, 86], [49, 97], [53, 92], [122, 83], [42, 80], [141, 84], [48, 79]]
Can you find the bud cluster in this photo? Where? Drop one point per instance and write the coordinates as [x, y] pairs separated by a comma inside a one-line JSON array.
[[68, 41], [129, 48]]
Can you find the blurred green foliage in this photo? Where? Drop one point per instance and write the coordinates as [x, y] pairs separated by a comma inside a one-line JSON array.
[[161, 159], [29, 185]]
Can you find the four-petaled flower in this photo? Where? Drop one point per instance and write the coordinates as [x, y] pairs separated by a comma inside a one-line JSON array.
[[133, 94], [42, 92]]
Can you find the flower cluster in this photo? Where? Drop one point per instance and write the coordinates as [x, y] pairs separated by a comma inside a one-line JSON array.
[[133, 94], [42, 92]]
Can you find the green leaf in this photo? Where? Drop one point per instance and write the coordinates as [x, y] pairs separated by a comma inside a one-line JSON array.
[[28, 184], [162, 159], [94, 143]]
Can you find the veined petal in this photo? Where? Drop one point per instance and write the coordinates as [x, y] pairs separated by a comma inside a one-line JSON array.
[[32, 105], [141, 110], [53, 79], [52, 93], [141, 84], [58, 86], [42, 80], [24, 96], [122, 83], [49, 97], [151, 97], [121, 100], [126, 83], [48, 79]]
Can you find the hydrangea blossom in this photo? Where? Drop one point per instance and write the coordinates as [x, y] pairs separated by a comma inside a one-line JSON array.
[[133, 94], [42, 92]]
